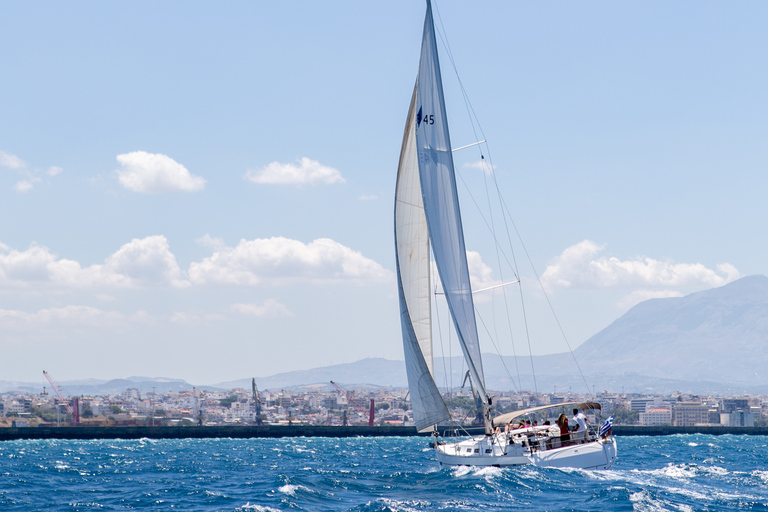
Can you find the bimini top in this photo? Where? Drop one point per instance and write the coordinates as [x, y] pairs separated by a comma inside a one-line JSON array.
[[505, 419]]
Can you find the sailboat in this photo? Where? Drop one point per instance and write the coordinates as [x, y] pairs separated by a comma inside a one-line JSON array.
[[428, 218]]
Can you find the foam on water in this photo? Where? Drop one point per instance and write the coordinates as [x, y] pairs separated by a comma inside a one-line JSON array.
[[676, 473]]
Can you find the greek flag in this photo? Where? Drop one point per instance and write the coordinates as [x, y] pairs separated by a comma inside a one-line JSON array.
[[606, 427]]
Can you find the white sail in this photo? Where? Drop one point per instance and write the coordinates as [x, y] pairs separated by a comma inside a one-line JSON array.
[[438, 187], [412, 253]]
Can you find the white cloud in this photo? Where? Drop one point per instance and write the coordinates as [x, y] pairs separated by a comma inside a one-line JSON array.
[[479, 273], [580, 266], [481, 165], [278, 259], [63, 317], [11, 161], [149, 263], [307, 172], [269, 309], [30, 176], [154, 173], [367, 198], [145, 262], [23, 186]]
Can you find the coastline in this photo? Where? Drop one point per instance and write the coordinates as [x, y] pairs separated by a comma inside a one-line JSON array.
[[277, 431]]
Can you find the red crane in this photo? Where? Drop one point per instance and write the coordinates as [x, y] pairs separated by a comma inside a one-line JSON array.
[[357, 404], [75, 412]]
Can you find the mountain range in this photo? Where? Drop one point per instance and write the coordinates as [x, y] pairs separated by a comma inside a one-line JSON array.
[[714, 341]]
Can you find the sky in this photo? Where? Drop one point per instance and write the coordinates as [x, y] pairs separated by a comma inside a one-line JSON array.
[[205, 191]]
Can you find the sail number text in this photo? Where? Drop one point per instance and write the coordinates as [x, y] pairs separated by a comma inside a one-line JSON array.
[[426, 119]]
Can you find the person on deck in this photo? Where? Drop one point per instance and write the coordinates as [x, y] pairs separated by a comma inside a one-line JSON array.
[[581, 424], [565, 433]]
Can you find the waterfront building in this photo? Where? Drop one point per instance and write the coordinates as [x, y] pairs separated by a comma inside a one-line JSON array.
[[640, 404], [655, 417], [729, 405], [738, 419], [688, 414]]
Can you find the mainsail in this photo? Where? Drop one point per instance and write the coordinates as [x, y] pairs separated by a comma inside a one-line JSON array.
[[427, 210]]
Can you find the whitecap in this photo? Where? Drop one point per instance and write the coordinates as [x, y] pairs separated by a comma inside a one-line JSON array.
[[693, 444], [257, 508], [461, 470], [715, 470], [643, 502], [401, 505], [290, 489], [678, 471]]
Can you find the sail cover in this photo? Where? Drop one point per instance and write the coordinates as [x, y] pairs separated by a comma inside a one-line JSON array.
[[412, 254], [441, 201]]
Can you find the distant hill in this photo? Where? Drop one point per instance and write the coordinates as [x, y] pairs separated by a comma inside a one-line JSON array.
[[715, 341], [718, 335], [373, 371], [92, 387]]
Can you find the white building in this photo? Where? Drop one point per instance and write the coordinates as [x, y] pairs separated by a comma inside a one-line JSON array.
[[656, 417], [738, 419], [641, 404]]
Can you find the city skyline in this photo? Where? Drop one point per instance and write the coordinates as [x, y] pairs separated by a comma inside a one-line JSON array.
[[206, 192]]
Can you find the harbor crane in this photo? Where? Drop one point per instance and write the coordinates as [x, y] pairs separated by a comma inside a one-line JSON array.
[[371, 411], [74, 411]]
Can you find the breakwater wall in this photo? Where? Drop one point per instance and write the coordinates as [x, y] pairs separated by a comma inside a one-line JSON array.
[[273, 431], [669, 430], [233, 431]]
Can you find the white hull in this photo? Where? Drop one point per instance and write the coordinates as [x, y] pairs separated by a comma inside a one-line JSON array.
[[498, 451]]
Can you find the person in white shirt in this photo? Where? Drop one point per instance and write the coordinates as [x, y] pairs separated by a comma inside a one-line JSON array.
[[580, 421]]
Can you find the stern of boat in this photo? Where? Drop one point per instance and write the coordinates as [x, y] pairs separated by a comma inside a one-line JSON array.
[[599, 454]]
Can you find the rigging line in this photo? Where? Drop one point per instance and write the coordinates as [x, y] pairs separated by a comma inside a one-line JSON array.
[[444, 39], [472, 118], [482, 216], [450, 363], [546, 296], [528, 337], [440, 335], [515, 269], [501, 271], [498, 350]]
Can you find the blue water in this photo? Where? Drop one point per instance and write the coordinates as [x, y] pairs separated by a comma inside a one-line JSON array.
[[680, 473]]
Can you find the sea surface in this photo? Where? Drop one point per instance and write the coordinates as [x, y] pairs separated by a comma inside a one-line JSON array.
[[682, 473]]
